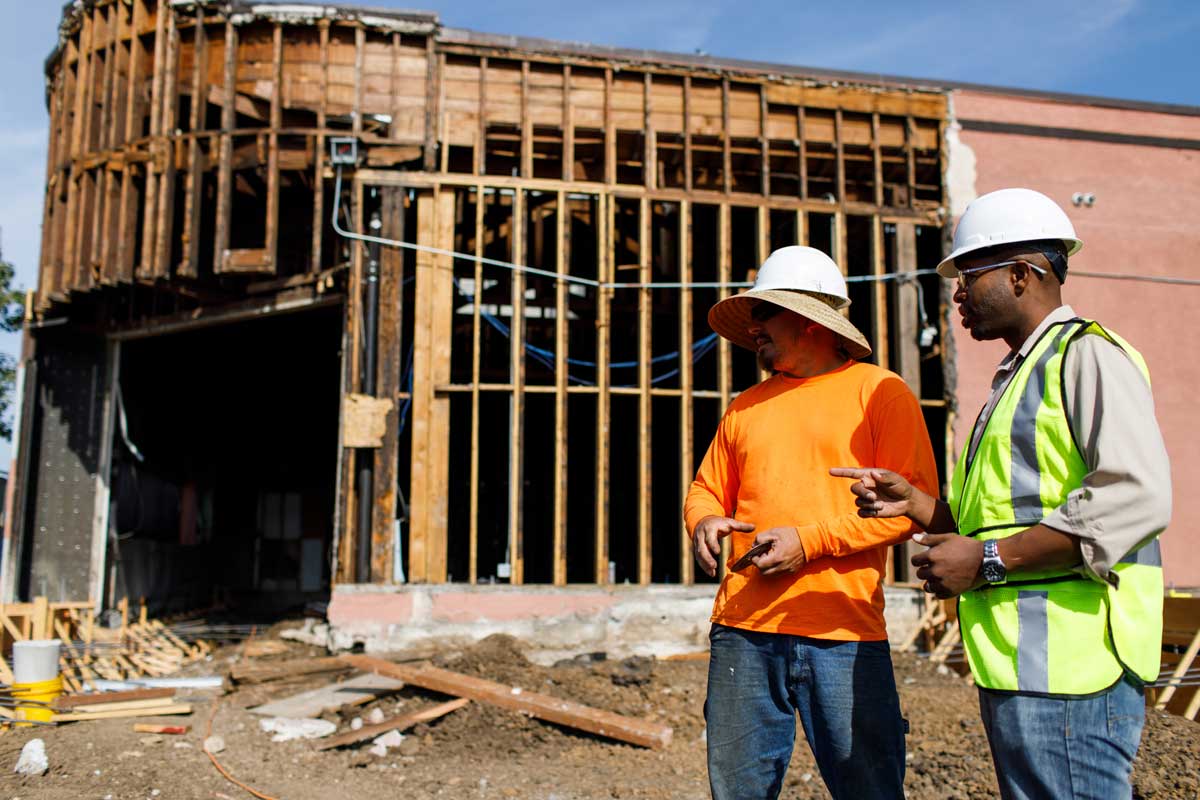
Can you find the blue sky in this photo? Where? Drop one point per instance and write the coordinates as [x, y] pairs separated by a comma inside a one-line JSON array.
[[1132, 49]]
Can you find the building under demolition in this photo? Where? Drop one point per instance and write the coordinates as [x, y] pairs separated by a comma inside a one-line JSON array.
[[337, 296]]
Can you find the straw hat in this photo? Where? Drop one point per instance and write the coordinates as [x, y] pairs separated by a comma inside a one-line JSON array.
[[800, 279]]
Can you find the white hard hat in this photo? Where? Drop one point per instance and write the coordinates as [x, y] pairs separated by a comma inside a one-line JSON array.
[[1008, 216], [803, 269], [802, 280]]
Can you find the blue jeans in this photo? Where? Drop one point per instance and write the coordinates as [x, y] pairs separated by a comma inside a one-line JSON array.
[[844, 692], [1052, 747]]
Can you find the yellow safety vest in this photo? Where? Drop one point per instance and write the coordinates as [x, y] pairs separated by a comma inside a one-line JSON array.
[[1054, 632]]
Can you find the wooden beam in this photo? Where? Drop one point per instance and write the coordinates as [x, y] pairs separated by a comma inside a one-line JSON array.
[[687, 133], [432, 105], [400, 723], [360, 38], [189, 265], [539, 706], [422, 396], [561, 251], [271, 235], [726, 156], [645, 439], [686, 401], [163, 229], [476, 333], [568, 139], [516, 446], [481, 131], [649, 151], [841, 161], [163, 16], [225, 159], [389, 379], [605, 237], [879, 290], [318, 222], [526, 125], [803, 153], [610, 134]]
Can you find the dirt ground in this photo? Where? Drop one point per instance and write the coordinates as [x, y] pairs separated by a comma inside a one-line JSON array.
[[484, 752]]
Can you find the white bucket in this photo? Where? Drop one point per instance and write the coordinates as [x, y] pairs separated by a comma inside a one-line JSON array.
[[35, 661]]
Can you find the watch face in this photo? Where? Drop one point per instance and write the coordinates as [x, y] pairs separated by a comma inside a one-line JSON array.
[[993, 573]]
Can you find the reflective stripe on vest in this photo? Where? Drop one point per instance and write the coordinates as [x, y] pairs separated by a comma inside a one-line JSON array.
[[1057, 631]]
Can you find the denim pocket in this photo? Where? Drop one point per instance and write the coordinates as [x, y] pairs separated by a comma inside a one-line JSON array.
[[1126, 711]]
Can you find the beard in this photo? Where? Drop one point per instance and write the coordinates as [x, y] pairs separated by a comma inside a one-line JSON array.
[[766, 358]]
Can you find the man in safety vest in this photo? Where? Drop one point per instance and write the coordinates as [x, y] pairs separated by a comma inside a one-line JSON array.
[[1049, 535]]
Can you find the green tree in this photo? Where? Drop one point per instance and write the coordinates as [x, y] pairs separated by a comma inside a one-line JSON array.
[[12, 315]]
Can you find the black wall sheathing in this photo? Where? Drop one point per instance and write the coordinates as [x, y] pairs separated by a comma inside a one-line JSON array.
[[65, 453]]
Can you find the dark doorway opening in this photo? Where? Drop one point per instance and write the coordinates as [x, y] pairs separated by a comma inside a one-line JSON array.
[[231, 501]]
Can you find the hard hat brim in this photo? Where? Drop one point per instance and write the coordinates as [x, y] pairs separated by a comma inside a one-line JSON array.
[[731, 319], [947, 269]]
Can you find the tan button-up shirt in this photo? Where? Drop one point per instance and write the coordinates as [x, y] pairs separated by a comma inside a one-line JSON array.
[[1125, 499]]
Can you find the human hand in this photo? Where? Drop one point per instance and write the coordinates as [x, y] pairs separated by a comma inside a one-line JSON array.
[[878, 492], [951, 564], [706, 539], [786, 553]]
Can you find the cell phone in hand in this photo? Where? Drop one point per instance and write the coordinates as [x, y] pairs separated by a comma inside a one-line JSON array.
[[747, 558]]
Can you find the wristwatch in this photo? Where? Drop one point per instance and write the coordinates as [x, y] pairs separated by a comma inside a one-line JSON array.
[[993, 569]]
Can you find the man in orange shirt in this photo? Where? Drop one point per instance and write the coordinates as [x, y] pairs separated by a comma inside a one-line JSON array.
[[800, 628]]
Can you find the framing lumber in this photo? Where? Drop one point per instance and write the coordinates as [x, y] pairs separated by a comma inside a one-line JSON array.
[[400, 723], [158, 711], [551, 709], [108, 698]]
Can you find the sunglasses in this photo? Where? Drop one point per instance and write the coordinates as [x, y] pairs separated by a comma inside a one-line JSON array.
[[966, 277], [763, 311]]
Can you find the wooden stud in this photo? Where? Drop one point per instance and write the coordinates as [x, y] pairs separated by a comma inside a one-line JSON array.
[[71, 254], [389, 377], [724, 354], [763, 141], [128, 209], [841, 162], [880, 291], [803, 147], [605, 270], [687, 133], [562, 251], [432, 106], [876, 158], [145, 269], [910, 134], [610, 138], [481, 132], [645, 442], [318, 223], [271, 235], [726, 154], [686, 402], [225, 168], [526, 125], [649, 143], [444, 148], [516, 449], [360, 38], [169, 104], [907, 360], [189, 265], [568, 139], [476, 332]]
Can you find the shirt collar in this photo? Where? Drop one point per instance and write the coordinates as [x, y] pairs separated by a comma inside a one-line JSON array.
[[1061, 314]]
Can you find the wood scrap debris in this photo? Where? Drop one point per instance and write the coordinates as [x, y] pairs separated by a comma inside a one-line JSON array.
[[513, 698], [256, 673], [400, 723], [356, 691]]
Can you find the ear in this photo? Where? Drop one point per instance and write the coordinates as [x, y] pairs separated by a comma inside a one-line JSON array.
[[1020, 274]]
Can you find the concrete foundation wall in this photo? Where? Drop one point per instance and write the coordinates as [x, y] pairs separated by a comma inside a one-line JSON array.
[[557, 621], [1144, 221]]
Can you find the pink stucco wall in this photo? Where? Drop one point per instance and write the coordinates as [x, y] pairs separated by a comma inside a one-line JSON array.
[[1146, 220]]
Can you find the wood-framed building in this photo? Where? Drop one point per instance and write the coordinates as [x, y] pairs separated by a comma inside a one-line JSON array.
[[215, 368]]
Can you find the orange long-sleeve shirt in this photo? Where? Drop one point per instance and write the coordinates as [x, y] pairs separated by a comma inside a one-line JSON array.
[[769, 465]]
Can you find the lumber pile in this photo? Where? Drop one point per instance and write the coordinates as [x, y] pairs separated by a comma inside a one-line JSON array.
[[1178, 686], [938, 633], [137, 649]]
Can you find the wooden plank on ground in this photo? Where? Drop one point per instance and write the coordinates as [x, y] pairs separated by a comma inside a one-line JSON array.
[[359, 689], [255, 673], [161, 711], [400, 723], [101, 698], [551, 709]]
